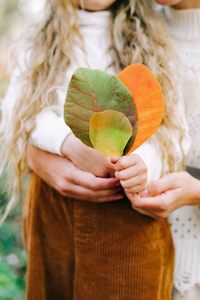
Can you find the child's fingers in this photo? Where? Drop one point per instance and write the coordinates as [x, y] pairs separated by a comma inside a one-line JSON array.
[[133, 181], [131, 172], [136, 189], [127, 161]]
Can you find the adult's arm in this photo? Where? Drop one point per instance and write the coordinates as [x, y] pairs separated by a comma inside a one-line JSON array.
[[61, 174]]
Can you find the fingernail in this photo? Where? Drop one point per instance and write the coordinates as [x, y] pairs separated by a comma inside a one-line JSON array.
[[119, 196], [117, 182], [119, 188]]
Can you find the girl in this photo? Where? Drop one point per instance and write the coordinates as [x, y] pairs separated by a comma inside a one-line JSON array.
[[179, 192], [84, 249]]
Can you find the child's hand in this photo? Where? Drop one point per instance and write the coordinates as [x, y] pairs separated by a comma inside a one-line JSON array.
[[86, 158], [132, 172]]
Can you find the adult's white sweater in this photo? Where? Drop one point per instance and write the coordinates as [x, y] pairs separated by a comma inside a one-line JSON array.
[[51, 130], [184, 29]]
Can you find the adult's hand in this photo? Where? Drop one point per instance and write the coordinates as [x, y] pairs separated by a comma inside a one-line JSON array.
[[62, 175], [167, 194]]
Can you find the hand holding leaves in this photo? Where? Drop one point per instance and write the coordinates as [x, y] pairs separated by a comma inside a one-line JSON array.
[[103, 110]]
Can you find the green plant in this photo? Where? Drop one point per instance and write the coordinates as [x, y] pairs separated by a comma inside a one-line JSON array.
[[13, 260]]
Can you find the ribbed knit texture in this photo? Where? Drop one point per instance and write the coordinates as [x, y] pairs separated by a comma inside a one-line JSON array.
[[184, 25], [86, 251], [184, 29]]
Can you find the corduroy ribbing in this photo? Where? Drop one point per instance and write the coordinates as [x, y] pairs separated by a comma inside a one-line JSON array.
[[79, 250]]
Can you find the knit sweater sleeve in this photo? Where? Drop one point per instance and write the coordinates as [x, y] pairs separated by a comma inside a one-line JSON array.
[[50, 132], [51, 129], [152, 158]]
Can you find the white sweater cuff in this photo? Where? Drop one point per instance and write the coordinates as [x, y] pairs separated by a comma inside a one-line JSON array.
[[50, 132], [152, 159]]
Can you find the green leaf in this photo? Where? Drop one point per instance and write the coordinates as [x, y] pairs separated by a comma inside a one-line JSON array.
[[94, 91], [110, 131]]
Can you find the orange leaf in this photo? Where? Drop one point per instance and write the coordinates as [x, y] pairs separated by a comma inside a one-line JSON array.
[[148, 98]]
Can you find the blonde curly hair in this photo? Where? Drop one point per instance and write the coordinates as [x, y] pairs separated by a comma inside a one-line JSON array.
[[138, 37]]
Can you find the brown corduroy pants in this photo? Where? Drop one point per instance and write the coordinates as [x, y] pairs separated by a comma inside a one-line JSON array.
[[86, 251]]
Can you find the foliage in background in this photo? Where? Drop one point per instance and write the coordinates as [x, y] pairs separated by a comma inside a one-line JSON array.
[[12, 254], [14, 14], [13, 260]]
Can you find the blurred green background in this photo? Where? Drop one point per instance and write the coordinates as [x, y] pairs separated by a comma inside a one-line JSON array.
[[13, 262]]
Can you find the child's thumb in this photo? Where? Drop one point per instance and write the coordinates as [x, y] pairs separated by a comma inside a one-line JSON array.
[[114, 159]]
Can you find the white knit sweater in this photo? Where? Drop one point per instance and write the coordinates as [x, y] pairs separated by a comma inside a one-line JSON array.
[[184, 29]]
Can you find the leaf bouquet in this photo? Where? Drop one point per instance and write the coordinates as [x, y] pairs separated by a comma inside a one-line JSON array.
[[114, 115]]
